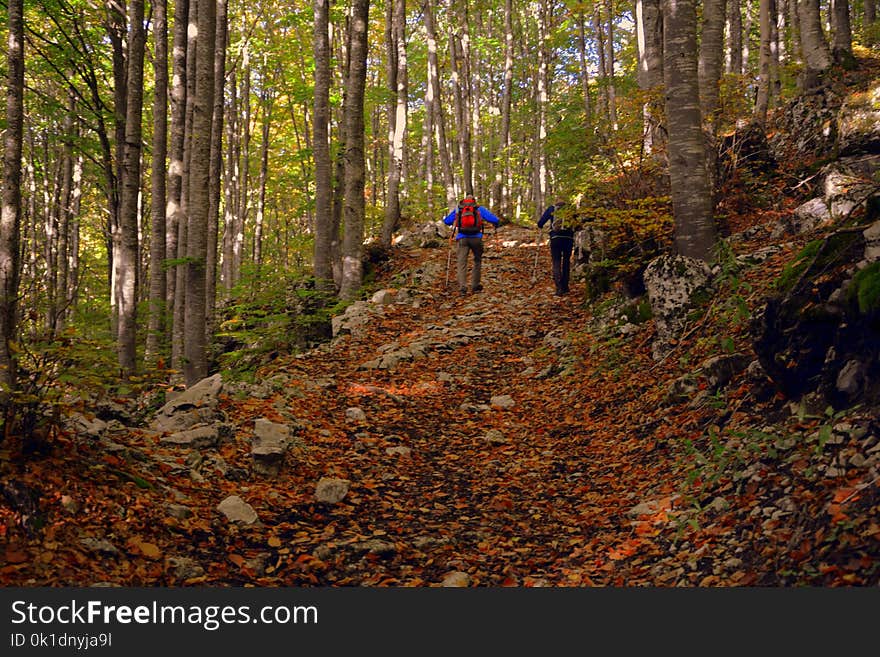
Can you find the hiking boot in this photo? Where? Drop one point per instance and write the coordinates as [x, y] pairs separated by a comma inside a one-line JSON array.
[[478, 288], [462, 292]]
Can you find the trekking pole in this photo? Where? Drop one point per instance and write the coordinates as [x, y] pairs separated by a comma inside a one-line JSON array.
[[449, 257], [537, 249]]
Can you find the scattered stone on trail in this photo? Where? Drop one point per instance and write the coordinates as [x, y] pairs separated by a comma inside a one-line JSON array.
[[502, 401], [456, 579], [179, 511], [99, 546], [375, 547], [806, 217], [195, 438], [355, 414], [651, 507], [237, 510], [495, 437], [398, 450], [331, 490], [185, 568], [269, 446], [195, 405]]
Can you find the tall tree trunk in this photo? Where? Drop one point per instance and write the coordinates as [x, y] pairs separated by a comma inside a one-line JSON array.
[[125, 247], [354, 202], [605, 105], [174, 206], [709, 68], [397, 116], [195, 347], [695, 232], [436, 107], [762, 100], [543, 80], [158, 185], [62, 274], [266, 100], [503, 170], [814, 47], [841, 45], [735, 37], [609, 63], [215, 174], [10, 213], [649, 36], [323, 262]]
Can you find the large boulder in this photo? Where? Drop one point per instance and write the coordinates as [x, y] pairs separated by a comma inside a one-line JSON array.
[[672, 283]]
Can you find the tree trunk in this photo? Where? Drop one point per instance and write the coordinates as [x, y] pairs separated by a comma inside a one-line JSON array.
[[502, 173], [841, 47], [695, 232], [436, 107], [762, 100], [397, 116], [10, 212], [216, 163], [323, 262], [709, 69], [735, 37], [125, 251], [158, 185], [649, 36], [174, 206], [195, 347], [354, 202], [267, 100], [814, 47]]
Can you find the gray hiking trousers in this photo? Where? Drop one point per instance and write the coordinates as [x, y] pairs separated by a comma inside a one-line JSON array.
[[467, 245]]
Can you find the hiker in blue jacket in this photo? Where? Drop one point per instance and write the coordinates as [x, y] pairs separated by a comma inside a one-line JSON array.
[[561, 246], [468, 219]]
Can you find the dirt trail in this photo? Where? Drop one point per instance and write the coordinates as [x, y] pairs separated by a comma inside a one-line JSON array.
[[513, 492]]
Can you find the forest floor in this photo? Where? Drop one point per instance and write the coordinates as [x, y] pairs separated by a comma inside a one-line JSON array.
[[525, 443]]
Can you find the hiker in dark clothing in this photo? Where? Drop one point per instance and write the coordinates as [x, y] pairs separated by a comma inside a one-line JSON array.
[[561, 246], [468, 219]]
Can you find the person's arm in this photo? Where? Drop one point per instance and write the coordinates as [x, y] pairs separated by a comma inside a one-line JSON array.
[[548, 213], [449, 219], [486, 214]]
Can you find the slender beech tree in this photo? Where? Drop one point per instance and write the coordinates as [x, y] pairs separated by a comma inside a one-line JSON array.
[[176, 167], [435, 105], [158, 185], [695, 231], [649, 35], [762, 99], [215, 175], [125, 237], [710, 63], [195, 347], [322, 262], [734, 37], [10, 212], [814, 47], [353, 113], [397, 113], [841, 42]]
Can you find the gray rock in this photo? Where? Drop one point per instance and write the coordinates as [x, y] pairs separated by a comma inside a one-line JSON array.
[[502, 401], [196, 438], [237, 510], [331, 490]]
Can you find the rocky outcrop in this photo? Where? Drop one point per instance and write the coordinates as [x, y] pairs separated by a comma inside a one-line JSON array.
[[672, 283]]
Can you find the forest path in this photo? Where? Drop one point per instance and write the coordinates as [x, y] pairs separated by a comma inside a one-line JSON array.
[[496, 444], [528, 489]]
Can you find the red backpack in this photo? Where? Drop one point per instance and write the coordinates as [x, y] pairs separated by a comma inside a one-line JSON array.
[[469, 220]]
